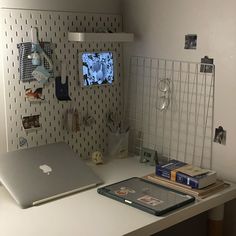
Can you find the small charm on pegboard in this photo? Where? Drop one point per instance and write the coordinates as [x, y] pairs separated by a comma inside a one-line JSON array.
[[190, 41], [23, 142], [72, 120], [34, 95], [220, 135], [31, 123]]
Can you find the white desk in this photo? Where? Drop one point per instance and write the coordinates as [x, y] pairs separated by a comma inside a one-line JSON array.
[[91, 214]]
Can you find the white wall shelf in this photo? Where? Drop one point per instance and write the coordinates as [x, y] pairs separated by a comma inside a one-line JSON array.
[[100, 37]]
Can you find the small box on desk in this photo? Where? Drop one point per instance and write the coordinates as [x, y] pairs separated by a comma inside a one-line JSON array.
[[199, 181], [168, 170], [186, 174]]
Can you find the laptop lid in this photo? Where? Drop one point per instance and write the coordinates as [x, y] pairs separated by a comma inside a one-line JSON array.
[[145, 195], [39, 174]]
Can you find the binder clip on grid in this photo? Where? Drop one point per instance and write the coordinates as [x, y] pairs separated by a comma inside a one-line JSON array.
[[40, 73]]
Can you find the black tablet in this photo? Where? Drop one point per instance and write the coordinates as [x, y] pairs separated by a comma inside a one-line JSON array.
[[146, 196]]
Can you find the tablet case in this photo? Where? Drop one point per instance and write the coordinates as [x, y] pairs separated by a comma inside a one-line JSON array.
[[146, 196]]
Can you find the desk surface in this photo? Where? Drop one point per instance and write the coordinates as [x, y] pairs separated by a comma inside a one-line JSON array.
[[89, 213]]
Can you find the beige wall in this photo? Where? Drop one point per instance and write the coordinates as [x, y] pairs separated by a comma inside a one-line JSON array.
[[96, 6], [160, 27]]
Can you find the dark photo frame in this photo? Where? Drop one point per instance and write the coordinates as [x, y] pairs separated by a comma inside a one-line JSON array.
[[190, 41], [220, 135]]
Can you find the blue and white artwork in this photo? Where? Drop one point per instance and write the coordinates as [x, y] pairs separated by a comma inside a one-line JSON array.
[[98, 68]]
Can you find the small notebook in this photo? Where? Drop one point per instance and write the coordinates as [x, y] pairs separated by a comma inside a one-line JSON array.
[[146, 196]]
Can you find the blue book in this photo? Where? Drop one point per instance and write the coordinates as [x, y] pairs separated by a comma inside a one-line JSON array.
[[168, 170], [186, 174]]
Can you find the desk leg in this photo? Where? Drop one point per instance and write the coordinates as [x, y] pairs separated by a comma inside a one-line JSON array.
[[215, 221]]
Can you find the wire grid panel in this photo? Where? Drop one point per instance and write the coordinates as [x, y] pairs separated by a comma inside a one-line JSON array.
[[96, 101], [170, 109]]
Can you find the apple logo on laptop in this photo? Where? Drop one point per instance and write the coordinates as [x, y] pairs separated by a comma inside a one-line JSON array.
[[46, 169]]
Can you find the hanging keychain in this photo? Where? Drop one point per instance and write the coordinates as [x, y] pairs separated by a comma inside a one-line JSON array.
[[72, 120], [35, 56]]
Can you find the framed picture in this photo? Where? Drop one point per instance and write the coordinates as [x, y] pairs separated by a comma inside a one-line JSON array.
[[190, 41], [220, 135]]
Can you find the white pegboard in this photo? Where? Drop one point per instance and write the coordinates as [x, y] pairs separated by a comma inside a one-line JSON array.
[[97, 101]]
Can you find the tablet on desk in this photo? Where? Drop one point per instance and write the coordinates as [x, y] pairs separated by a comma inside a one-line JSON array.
[[146, 196]]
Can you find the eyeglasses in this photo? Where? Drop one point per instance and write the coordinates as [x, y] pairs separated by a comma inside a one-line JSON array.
[[163, 100]]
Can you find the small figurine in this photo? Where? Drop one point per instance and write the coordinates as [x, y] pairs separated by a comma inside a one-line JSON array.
[[97, 157]]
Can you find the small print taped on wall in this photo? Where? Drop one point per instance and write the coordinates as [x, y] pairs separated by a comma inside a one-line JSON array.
[[34, 95], [31, 123], [207, 65], [190, 41], [220, 135]]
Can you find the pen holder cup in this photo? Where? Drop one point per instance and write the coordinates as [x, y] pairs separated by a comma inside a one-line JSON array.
[[118, 145]]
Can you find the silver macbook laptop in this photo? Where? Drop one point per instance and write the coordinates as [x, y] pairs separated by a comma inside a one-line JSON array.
[[36, 175]]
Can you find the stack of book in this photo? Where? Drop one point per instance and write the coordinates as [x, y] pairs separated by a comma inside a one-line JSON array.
[[187, 178], [198, 193], [186, 174]]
